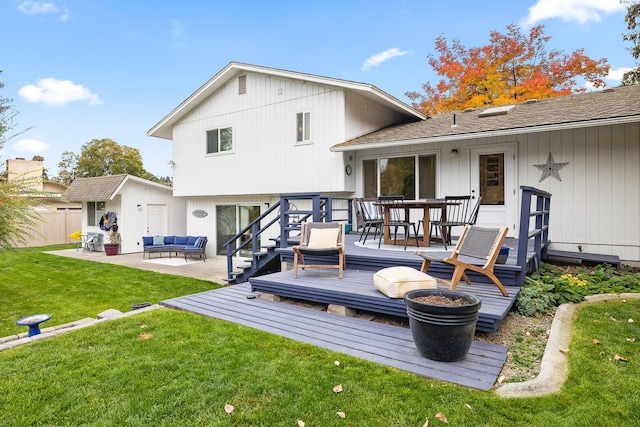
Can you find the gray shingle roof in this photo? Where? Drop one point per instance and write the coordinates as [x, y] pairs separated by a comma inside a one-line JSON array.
[[579, 110], [93, 189]]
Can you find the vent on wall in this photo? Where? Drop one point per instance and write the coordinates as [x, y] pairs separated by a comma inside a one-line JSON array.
[[242, 85]]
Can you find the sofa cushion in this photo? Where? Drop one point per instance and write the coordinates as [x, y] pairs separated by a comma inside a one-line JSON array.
[[323, 238], [158, 240], [198, 243], [191, 240], [147, 240], [395, 281], [169, 240], [181, 240]]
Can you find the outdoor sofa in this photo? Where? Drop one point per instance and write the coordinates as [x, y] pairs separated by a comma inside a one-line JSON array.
[[186, 245]]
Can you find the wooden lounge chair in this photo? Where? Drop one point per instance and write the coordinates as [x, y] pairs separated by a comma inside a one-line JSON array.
[[320, 239], [475, 242]]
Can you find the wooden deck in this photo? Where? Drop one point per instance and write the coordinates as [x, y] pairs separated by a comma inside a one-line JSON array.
[[381, 343], [373, 259], [356, 290]]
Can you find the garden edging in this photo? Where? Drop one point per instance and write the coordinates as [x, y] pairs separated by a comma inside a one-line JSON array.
[[553, 367], [13, 341]]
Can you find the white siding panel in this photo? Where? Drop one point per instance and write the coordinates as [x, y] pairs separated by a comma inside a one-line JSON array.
[[363, 116], [266, 158]]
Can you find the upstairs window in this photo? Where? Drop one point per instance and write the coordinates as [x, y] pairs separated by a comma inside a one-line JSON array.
[[219, 140], [303, 127], [95, 210]]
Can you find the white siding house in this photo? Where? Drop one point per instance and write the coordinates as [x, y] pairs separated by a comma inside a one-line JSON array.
[[252, 133]]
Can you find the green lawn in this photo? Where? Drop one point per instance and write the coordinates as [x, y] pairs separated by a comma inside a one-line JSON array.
[[69, 289], [172, 368]]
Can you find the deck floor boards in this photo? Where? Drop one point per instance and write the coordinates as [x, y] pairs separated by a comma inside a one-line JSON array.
[[356, 290], [377, 342]]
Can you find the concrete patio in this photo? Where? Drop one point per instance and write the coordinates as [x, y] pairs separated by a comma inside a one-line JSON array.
[[214, 269]]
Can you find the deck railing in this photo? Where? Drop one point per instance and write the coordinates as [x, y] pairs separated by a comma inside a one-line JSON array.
[[537, 230], [286, 215]]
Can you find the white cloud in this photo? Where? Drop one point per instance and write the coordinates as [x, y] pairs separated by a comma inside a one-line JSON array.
[[56, 92], [581, 11], [177, 28], [617, 73], [30, 146], [379, 58], [30, 7]]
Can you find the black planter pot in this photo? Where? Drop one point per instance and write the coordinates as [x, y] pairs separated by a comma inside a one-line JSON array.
[[442, 332]]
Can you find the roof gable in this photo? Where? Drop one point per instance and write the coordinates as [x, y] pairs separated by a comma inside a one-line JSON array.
[[103, 187], [164, 128]]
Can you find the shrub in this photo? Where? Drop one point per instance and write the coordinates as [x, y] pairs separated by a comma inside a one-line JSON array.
[[554, 285]]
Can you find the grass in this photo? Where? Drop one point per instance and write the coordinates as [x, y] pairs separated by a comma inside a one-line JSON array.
[[172, 368], [70, 289]]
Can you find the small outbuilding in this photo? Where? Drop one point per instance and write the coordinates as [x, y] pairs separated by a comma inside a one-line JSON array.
[[138, 206]]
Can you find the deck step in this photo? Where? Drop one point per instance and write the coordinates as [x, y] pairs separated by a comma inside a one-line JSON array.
[[355, 290], [584, 257], [377, 342]]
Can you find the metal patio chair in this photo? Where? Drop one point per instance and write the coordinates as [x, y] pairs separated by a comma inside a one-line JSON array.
[[456, 216], [397, 219]]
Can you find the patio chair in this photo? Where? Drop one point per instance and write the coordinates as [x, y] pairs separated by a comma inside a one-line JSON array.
[[320, 240], [371, 218], [475, 243], [457, 209], [473, 216], [396, 219]]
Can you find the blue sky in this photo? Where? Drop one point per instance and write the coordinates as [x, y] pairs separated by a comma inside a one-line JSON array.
[[78, 70]]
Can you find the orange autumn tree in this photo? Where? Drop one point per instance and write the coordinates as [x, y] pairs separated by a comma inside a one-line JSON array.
[[512, 68]]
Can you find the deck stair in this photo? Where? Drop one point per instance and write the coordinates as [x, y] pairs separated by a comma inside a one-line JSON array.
[[377, 342], [356, 290]]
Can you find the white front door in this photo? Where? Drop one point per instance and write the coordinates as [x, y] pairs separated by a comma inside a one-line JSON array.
[[156, 220], [494, 177]]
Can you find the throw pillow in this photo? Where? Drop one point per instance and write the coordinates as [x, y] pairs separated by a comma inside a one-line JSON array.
[[158, 240], [147, 240], [321, 238], [198, 243]]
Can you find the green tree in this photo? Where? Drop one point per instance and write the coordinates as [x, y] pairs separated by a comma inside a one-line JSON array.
[[633, 25], [100, 157], [18, 197], [67, 167]]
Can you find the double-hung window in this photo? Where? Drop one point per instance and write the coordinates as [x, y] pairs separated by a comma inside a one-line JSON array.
[[219, 140], [95, 210], [303, 127]]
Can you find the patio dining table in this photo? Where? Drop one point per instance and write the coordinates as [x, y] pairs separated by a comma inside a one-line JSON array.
[[407, 205]]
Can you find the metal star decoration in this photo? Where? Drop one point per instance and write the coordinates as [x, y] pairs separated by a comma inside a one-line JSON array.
[[551, 168]]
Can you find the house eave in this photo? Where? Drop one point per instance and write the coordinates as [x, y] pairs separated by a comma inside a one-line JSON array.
[[485, 134]]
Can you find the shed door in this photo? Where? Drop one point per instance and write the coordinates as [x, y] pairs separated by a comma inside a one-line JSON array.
[[156, 220], [493, 176]]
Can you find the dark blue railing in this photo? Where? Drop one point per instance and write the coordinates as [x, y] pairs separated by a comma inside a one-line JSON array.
[[288, 219], [535, 205]]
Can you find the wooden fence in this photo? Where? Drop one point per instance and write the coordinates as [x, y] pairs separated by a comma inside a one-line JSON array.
[[55, 228]]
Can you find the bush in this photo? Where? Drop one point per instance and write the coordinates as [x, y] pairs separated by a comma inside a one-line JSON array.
[[554, 285], [535, 298]]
